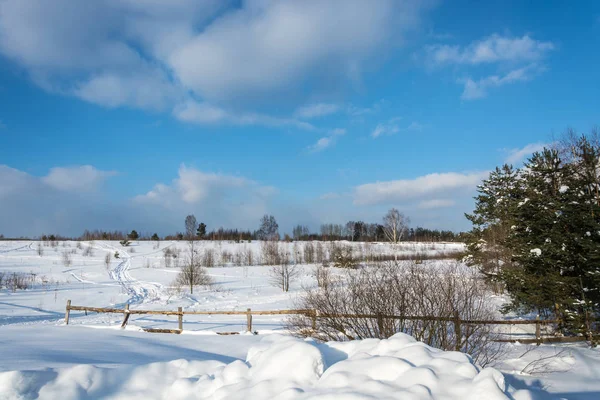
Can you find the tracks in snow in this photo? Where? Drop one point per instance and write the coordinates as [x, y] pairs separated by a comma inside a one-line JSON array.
[[139, 291]]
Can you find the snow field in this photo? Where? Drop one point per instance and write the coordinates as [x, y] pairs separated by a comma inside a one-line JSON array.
[[93, 358]]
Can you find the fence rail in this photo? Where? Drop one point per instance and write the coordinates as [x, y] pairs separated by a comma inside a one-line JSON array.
[[314, 315]]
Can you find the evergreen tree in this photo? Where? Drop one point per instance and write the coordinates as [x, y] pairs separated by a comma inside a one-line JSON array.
[[537, 231], [492, 220], [201, 231], [133, 235]]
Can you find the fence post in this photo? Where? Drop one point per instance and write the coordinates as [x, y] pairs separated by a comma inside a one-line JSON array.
[[68, 312], [538, 333], [180, 318], [249, 320], [125, 316], [457, 331], [380, 325]]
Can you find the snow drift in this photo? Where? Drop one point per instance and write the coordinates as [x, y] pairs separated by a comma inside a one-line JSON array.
[[281, 367]]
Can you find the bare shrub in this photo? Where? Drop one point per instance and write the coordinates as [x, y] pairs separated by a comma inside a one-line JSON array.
[[88, 251], [66, 259], [208, 258], [309, 253], [342, 257], [176, 258], [322, 275], [168, 257], [17, 281], [298, 257], [132, 250], [173, 291], [125, 242], [402, 290], [79, 246], [559, 360], [238, 258], [248, 256], [283, 274], [320, 253], [270, 253], [226, 257], [40, 250], [107, 260]]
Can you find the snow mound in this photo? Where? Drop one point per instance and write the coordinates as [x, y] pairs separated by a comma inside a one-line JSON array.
[[280, 367]]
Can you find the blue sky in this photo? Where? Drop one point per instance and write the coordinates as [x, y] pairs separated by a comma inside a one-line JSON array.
[[131, 114]]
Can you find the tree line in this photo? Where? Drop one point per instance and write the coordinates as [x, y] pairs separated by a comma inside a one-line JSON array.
[[357, 231]]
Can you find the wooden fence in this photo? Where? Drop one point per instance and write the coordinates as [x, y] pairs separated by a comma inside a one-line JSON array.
[[314, 315]]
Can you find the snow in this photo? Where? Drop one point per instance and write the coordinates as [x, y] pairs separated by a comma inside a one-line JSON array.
[[40, 357], [537, 252], [280, 367]]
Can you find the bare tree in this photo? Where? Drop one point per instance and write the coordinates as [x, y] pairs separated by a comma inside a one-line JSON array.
[[107, 260], [66, 259], [269, 229], [191, 225], [192, 274], [395, 225], [284, 273]]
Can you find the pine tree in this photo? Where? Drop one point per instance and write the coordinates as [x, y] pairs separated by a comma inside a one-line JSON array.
[[537, 232], [201, 232], [133, 235], [492, 220]]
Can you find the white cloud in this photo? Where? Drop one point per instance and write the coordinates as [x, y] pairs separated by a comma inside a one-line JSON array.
[[268, 47], [493, 49], [321, 144], [200, 113], [66, 200], [435, 203], [386, 128], [205, 113], [316, 110], [194, 186], [227, 200], [13, 180], [515, 156], [146, 91], [152, 54], [421, 188], [76, 179], [478, 89], [415, 126], [392, 127], [327, 141], [523, 55]]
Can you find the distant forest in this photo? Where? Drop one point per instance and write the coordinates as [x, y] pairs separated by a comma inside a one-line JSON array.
[[357, 231]]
